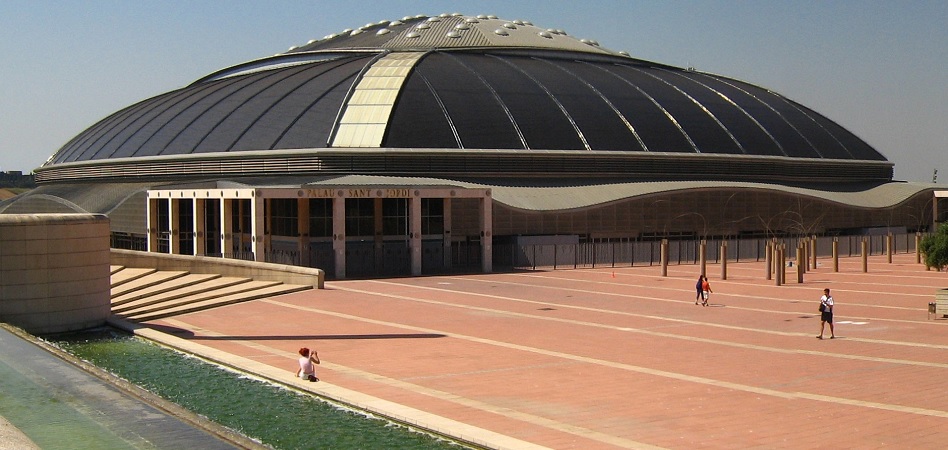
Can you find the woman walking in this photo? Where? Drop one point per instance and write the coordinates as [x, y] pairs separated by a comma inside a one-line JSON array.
[[698, 289], [705, 290]]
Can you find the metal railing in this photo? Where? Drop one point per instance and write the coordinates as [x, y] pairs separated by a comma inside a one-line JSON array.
[[686, 251]]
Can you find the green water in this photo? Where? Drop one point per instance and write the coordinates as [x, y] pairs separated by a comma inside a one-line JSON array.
[[276, 416], [51, 418]]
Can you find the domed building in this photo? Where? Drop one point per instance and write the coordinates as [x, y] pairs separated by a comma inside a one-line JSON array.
[[418, 145]]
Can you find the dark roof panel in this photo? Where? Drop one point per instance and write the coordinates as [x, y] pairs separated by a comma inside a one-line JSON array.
[[317, 88], [539, 119], [419, 119], [600, 123], [475, 110]]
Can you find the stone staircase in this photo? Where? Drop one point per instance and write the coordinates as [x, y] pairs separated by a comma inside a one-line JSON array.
[[148, 294]]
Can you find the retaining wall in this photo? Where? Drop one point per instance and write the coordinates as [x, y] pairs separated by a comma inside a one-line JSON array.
[[54, 271]]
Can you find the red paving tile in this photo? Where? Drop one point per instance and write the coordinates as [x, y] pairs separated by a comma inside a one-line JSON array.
[[622, 358]]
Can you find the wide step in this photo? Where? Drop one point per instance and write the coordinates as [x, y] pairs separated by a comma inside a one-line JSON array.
[[148, 294], [265, 292]]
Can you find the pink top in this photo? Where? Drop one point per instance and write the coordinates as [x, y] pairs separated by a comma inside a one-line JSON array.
[[306, 365]]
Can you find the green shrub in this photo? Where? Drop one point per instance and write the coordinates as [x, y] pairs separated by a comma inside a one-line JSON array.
[[934, 247]]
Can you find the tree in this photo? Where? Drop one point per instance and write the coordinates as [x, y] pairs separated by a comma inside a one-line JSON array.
[[935, 248]]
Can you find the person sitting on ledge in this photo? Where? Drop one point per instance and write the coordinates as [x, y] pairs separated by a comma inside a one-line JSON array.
[[307, 370]]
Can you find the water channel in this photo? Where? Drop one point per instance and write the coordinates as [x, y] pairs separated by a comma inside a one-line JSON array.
[[275, 415]]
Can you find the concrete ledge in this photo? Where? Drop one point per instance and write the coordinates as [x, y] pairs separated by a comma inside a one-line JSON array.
[[13, 439], [222, 266], [941, 303]]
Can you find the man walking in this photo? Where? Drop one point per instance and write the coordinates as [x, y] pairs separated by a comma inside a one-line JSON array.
[[826, 313]]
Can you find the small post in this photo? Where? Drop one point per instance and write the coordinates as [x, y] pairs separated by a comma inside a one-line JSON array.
[[801, 256], [805, 245], [865, 255], [768, 256], [664, 257], [703, 256], [783, 264], [777, 270], [835, 254], [889, 244], [813, 250], [723, 260], [918, 247]]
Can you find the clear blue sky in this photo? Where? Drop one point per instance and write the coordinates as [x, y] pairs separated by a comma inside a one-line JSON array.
[[879, 68]]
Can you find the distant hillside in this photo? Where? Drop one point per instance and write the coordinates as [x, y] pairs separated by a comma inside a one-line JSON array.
[[9, 193]]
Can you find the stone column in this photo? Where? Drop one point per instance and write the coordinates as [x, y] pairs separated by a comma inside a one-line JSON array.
[[378, 215], [200, 234], [173, 226], [414, 235], [302, 226], [339, 235], [151, 212], [487, 232], [446, 237]]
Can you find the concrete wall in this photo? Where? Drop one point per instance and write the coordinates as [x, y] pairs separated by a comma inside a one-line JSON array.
[[224, 266], [54, 271]]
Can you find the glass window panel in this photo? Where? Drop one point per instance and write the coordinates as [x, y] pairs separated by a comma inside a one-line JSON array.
[[395, 216], [360, 217], [432, 216], [320, 217], [283, 219]]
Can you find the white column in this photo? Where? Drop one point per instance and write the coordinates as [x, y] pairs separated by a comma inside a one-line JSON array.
[[257, 238], [227, 225]]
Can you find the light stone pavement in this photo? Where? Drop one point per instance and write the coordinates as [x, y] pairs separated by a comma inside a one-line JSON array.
[[612, 357]]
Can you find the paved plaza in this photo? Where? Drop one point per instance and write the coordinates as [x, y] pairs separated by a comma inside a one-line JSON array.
[[613, 358]]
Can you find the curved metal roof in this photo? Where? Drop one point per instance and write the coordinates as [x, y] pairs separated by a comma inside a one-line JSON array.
[[465, 83], [104, 197], [579, 196]]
